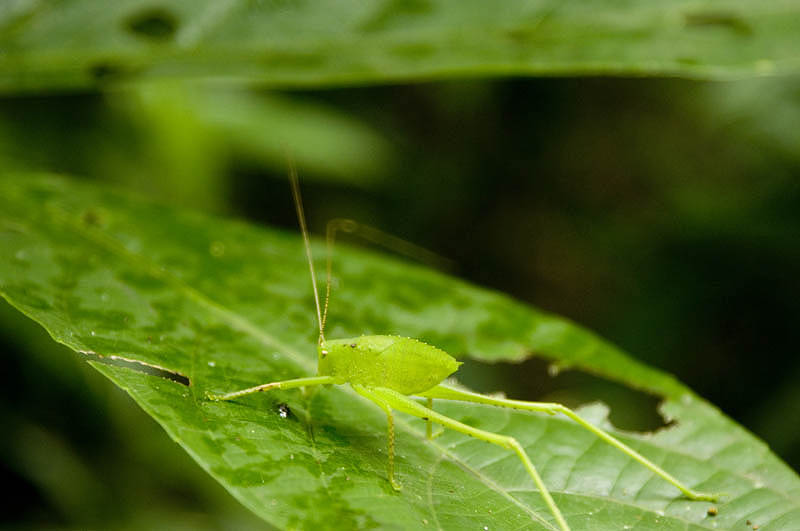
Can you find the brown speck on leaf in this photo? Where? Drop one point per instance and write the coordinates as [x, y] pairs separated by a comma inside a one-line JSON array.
[[91, 217], [712, 511]]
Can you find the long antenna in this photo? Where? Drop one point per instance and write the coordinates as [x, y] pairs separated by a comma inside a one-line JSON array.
[[346, 225], [301, 217], [378, 237]]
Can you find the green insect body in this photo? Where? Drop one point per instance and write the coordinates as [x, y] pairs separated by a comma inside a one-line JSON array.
[[402, 364], [388, 370]]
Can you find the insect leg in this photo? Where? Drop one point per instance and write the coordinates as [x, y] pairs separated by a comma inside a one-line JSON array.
[[388, 398], [441, 391], [390, 450], [429, 425], [390, 432], [286, 384]]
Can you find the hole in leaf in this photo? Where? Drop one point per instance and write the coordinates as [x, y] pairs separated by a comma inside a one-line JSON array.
[[154, 23], [535, 380], [138, 366]]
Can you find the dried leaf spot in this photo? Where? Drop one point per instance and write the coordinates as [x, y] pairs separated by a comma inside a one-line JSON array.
[[522, 35], [217, 249], [94, 217], [90, 217], [137, 365], [153, 23], [413, 50], [104, 71], [396, 13], [720, 19]]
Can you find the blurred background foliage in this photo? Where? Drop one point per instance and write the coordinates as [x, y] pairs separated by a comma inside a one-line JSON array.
[[663, 214]]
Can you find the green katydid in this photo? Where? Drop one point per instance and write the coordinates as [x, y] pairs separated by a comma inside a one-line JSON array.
[[388, 370]]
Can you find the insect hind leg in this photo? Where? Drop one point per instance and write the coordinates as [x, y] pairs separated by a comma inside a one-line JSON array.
[[429, 425], [388, 398], [450, 393]]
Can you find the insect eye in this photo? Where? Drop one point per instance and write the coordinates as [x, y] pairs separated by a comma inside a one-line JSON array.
[[352, 345]]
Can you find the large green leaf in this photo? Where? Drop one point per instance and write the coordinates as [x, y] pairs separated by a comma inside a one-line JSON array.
[[80, 42], [228, 305]]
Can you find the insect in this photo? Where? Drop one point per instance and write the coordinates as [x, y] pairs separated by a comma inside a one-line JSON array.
[[389, 370]]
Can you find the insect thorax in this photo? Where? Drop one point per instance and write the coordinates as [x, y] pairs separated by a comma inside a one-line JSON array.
[[406, 365]]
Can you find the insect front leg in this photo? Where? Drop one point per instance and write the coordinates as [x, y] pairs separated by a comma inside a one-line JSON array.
[[390, 399], [442, 391], [286, 384]]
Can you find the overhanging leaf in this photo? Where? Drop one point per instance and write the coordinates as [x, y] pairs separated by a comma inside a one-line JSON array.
[[228, 305], [82, 42], [328, 143]]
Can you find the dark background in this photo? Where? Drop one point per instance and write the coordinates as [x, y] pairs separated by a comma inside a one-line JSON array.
[[663, 214]]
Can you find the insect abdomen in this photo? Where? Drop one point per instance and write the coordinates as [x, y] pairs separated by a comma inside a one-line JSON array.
[[406, 365]]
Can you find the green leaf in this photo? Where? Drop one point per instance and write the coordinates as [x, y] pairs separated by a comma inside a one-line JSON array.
[[77, 43], [135, 285]]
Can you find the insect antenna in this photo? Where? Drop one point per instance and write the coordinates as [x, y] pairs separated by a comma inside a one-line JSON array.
[[330, 237], [377, 237], [301, 217]]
